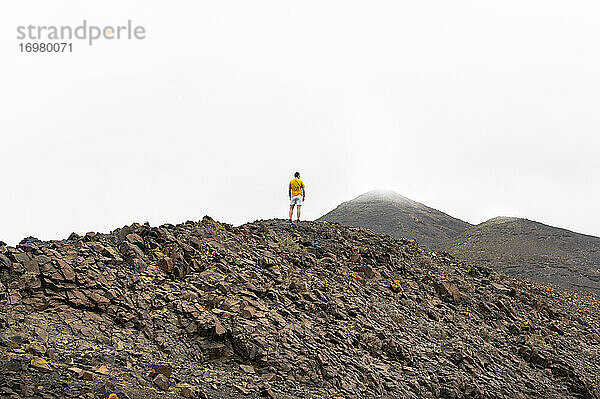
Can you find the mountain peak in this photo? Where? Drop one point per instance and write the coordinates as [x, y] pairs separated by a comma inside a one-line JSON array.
[[383, 195], [388, 212], [502, 219]]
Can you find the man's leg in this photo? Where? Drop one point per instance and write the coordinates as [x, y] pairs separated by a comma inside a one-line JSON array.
[[291, 211], [299, 206]]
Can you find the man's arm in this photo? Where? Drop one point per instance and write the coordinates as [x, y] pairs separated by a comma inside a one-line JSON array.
[[303, 193], [290, 191]]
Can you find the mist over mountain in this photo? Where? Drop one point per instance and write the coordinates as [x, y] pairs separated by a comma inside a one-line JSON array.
[[387, 212]]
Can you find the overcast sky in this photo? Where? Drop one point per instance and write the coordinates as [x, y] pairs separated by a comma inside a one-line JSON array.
[[477, 108]]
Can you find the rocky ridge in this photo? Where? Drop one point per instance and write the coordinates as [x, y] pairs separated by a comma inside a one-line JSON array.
[[532, 250], [271, 309]]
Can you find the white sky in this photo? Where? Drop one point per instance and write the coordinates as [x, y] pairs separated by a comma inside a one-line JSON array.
[[477, 108]]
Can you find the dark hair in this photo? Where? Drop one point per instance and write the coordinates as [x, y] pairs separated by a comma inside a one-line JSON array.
[[297, 174]]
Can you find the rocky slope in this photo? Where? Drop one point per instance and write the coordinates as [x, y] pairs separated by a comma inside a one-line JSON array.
[[532, 250], [269, 309], [387, 212]]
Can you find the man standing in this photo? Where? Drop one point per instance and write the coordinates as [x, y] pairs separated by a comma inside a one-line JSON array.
[[297, 193]]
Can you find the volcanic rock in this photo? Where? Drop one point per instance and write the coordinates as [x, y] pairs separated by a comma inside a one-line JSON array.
[[41, 365], [282, 310]]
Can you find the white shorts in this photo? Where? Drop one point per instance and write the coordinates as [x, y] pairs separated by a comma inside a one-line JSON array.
[[296, 200]]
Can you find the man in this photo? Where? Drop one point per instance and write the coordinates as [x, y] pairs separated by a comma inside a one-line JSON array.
[[297, 193]]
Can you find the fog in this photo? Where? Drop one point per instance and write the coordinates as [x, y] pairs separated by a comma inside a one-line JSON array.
[[475, 108]]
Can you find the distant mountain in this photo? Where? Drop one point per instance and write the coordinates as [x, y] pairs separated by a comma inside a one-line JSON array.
[[387, 212], [519, 247], [531, 250]]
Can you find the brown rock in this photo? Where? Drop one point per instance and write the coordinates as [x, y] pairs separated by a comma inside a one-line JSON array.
[[299, 285], [135, 239], [36, 348], [66, 270], [163, 369], [248, 312], [247, 368], [41, 365], [219, 329], [14, 365], [161, 381], [5, 262], [241, 389], [186, 392], [86, 375], [166, 264], [215, 350], [78, 298], [449, 290], [139, 264], [370, 272]]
